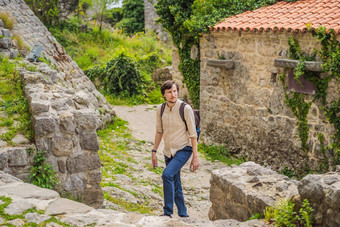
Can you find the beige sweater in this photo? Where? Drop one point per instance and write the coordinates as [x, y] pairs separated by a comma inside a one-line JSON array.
[[173, 128]]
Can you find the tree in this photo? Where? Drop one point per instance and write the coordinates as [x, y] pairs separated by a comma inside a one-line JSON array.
[[100, 8], [133, 16]]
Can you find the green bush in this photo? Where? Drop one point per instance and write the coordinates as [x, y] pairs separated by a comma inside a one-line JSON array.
[[120, 76], [283, 214], [221, 153]]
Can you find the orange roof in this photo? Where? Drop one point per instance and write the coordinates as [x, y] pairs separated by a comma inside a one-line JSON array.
[[289, 16]]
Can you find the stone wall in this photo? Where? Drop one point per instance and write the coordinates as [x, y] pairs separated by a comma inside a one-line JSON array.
[[150, 16], [240, 191], [237, 192], [243, 107], [66, 109]]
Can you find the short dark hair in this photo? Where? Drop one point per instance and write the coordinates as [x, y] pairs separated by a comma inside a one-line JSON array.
[[168, 85]]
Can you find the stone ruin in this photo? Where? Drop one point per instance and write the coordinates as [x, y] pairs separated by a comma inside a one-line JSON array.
[[237, 192], [66, 110]]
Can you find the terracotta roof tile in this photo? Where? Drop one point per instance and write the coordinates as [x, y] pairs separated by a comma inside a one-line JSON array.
[[286, 16]]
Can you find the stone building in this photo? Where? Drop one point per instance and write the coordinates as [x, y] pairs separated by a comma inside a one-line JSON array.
[[241, 96]]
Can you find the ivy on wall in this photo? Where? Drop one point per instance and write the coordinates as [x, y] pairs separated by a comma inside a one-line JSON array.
[[186, 20], [297, 102]]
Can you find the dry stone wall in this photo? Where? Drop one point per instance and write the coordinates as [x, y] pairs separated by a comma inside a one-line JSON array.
[[237, 192], [240, 191], [66, 110], [243, 107]]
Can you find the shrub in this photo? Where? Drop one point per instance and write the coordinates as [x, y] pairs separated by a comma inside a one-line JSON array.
[[8, 21], [120, 76], [283, 214]]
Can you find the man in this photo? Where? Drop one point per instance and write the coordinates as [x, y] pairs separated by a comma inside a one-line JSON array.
[[179, 145]]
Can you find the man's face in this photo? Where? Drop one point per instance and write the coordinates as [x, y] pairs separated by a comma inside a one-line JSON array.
[[171, 94]]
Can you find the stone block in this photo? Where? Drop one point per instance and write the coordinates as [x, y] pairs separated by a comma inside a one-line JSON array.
[[3, 159], [5, 32], [89, 141], [86, 120], [94, 178], [83, 163], [44, 126], [62, 146], [67, 123], [62, 166], [6, 43], [17, 157], [2, 24], [39, 106], [75, 182]]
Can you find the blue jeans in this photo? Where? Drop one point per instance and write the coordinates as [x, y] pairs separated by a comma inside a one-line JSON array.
[[172, 186]]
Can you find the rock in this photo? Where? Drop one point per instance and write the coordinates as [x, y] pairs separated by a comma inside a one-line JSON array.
[[44, 125], [39, 106], [30, 191], [16, 222], [36, 218], [20, 139], [118, 193], [89, 141], [63, 206], [62, 146], [17, 157], [82, 163], [237, 192], [52, 224], [5, 32], [323, 194], [162, 74], [6, 43], [18, 207]]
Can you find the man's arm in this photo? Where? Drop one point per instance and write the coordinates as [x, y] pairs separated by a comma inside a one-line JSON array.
[[194, 162], [158, 138]]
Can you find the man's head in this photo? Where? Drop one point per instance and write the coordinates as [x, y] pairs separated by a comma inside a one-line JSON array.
[[169, 90]]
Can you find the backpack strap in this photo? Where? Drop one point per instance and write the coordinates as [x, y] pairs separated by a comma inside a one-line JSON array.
[[181, 113], [162, 109]]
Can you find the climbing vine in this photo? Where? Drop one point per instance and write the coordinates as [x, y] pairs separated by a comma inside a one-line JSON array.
[[299, 104]]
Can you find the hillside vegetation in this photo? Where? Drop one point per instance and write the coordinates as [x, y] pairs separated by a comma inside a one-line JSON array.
[[93, 47]]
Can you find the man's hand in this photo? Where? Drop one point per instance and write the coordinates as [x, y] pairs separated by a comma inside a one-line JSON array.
[[194, 163], [154, 160]]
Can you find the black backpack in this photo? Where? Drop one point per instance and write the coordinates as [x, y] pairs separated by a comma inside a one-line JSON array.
[[181, 113]]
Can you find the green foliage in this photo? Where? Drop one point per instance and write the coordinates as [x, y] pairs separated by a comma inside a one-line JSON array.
[[330, 55], [120, 76], [7, 20], [133, 16], [47, 11], [283, 214], [306, 214], [256, 216], [186, 20], [42, 174], [13, 102], [111, 16], [288, 172], [220, 153]]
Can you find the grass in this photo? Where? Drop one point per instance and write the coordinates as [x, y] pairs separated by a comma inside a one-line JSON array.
[[7, 20], [134, 207], [219, 153], [13, 102]]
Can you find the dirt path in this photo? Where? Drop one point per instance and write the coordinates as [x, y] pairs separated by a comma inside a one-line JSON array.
[[195, 185]]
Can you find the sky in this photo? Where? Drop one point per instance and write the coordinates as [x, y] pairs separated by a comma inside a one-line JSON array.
[[117, 5]]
